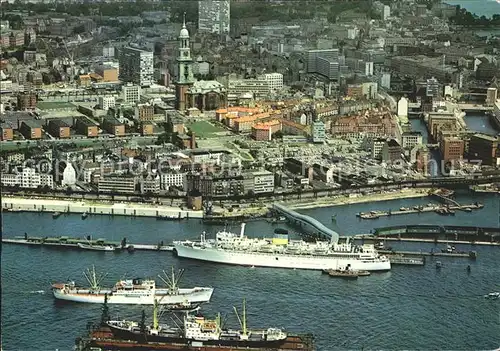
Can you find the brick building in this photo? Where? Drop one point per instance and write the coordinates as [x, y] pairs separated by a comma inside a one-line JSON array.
[[452, 149], [86, 127], [113, 126], [264, 131], [30, 129], [7, 132], [58, 128]]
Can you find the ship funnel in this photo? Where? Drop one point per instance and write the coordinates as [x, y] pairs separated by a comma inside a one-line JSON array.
[[242, 230]]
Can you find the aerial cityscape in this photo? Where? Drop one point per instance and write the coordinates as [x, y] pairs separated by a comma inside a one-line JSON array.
[[250, 175]]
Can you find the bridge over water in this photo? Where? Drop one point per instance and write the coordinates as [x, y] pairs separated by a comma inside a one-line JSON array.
[[308, 222]]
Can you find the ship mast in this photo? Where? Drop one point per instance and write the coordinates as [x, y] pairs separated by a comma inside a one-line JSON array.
[[155, 315], [172, 281], [93, 279], [243, 323]]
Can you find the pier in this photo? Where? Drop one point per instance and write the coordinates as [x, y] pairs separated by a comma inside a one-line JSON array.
[[436, 234], [72, 243], [14, 204], [443, 210], [306, 222]]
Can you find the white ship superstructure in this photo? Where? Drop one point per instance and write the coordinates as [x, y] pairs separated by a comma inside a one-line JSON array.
[[132, 291], [280, 252]]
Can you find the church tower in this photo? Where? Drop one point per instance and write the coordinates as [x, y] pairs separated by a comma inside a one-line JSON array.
[[185, 78]]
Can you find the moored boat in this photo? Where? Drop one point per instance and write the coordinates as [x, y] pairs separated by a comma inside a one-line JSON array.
[[84, 215], [133, 291], [280, 252], [56, 215], [96, 247]]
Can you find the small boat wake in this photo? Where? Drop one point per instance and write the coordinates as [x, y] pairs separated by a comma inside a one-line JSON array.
[[41, 292]]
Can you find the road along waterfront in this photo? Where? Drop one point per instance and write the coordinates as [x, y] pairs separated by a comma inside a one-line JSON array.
[[439, 309]]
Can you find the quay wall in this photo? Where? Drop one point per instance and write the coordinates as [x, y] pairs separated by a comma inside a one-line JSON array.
[[114, 209]]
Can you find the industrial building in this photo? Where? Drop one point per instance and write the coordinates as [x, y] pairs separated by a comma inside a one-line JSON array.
[[58, 128]]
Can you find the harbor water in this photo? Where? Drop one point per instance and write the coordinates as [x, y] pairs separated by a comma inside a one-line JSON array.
[[406, 308]]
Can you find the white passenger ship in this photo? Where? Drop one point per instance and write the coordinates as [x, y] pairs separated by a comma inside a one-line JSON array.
[[280, 252], [132, 291]]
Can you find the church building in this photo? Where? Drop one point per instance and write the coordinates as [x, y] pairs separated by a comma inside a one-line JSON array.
[[205, 95]]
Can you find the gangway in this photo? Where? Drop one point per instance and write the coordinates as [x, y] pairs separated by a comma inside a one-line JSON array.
[[307, 221]]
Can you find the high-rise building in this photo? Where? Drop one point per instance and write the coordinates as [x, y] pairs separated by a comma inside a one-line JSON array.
[[324, 62], [432, 88], [214, 16], [318, 132], [136, 66]]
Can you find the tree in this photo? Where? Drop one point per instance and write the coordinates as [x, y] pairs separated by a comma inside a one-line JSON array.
[[79, 29], [277, 135]]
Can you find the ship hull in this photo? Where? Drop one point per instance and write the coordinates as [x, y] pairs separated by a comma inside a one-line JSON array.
[[136, 336], [278, 260], [199, 295]]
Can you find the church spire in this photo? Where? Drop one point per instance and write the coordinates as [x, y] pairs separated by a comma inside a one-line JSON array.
[[184, 20]]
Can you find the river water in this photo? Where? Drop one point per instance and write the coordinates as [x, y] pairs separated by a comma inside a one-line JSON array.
[[479, 7], [406, 308]]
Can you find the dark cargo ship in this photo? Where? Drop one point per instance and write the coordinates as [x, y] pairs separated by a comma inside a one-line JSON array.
[[196, 333]]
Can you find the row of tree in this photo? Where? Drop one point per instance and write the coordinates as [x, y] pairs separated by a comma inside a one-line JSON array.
[[465, 18]]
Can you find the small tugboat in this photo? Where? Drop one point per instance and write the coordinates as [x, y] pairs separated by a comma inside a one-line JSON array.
[[56, 215], [346, 273], [439, 265], [493, 295], [371, 215]]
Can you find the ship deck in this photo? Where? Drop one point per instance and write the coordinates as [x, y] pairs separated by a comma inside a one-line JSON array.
[[103, 338]]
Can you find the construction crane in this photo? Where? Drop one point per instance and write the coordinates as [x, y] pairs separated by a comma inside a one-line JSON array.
[[69, 61]]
